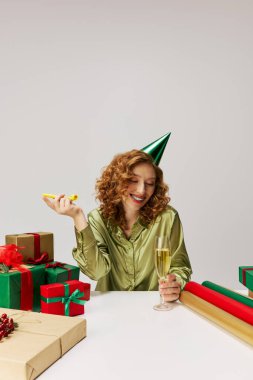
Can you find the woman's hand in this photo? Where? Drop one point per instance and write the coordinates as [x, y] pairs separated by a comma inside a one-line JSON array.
[[170, 289], [64, 206]]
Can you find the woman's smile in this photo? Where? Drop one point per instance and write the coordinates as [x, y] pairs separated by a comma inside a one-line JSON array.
[[137, 199]]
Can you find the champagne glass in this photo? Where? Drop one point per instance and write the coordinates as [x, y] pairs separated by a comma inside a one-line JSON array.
[[162, 264]]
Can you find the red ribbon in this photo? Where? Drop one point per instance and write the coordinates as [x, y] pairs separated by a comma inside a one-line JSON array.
[[57, 264], [26, 294], [36, 249], [244, 270], [42, 260], [36, 242]]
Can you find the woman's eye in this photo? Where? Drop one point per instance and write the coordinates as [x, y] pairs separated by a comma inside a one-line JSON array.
[[133, 181], [150, 184]]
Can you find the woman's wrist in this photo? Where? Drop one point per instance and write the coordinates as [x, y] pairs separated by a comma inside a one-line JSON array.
[[80, 221]]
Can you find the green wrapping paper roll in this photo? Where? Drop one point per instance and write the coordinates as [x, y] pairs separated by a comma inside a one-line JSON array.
[[229, 293], [230, 323]]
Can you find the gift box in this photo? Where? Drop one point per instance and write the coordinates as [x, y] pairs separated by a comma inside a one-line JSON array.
[[38, 246], [37, 342], [250, 294], [246, 276], [20, 288], [60, 272], [67, 298]]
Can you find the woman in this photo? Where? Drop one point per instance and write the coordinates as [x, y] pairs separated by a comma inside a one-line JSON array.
[[115, 246]]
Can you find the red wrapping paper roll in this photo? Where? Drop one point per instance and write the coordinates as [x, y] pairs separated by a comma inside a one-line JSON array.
[[243, 312]]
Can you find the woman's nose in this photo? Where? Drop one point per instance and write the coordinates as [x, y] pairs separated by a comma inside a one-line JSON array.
[[141, 188]]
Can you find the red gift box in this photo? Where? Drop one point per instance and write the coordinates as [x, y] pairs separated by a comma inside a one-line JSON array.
[[67, 298]]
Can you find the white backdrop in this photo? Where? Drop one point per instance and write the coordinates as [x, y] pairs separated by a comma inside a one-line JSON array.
[[84, 80]]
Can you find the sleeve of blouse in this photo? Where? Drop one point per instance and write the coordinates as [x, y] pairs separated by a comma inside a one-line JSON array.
[[91, 252], [180, 263]]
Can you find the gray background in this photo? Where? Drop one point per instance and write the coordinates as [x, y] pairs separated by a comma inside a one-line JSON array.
[[84, 80]]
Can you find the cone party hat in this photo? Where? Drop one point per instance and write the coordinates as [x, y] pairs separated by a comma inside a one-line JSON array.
[[156, 148]]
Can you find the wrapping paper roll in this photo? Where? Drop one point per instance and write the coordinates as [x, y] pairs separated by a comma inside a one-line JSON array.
[[225, 303], [230, 323], [229, 293]]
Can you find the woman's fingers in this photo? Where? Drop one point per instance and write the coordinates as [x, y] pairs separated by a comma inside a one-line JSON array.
[[170, 289], [171, 297], [171, 294], [59, 197], [56, 204], [48, 202], [67, 202], [62, 205]]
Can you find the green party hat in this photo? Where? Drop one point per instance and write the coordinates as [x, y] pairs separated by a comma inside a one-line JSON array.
[[156, 148]]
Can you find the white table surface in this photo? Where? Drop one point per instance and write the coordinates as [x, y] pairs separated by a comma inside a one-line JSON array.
[[128, 340]]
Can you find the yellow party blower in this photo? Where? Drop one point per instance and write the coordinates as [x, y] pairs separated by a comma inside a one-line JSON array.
[[72, 197]]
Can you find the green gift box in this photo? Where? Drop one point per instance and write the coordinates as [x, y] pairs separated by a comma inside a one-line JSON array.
[[246, 276], [60, 272], [20, 289]]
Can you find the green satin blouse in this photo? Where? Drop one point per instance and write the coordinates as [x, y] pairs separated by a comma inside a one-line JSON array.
[[104, 254]]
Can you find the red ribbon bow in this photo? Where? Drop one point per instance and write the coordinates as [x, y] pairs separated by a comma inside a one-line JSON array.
[[10, 256], [55, 265], [58, 264], [43, 259]]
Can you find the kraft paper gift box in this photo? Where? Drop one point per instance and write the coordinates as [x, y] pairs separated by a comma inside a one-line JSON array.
[[246, 276], [60, 272], [20, 289], [38, 246], [67, 298], [37, 342]]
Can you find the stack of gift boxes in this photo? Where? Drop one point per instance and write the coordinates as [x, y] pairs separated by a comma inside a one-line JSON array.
[[39, 283], [33, 287]]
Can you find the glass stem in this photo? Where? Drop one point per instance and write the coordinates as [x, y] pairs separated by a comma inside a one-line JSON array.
[[162, 298]]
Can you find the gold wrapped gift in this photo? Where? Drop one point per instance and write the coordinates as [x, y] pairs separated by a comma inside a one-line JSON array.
[[37, 342], [35, 244], [251, 293]]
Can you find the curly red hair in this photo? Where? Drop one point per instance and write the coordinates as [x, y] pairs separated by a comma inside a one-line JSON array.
[[111, 188]]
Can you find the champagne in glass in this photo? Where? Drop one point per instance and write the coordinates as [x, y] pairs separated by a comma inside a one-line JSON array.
[[162, 264]]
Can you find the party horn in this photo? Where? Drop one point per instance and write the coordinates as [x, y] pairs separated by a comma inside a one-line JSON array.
[[72, 197]]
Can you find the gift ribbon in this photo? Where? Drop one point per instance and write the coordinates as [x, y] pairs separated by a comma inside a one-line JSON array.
[[26, 280], [26, 291], [43, 259], [67, 299], [58, 264], [37, 254], [244, 270], [36, 244]]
